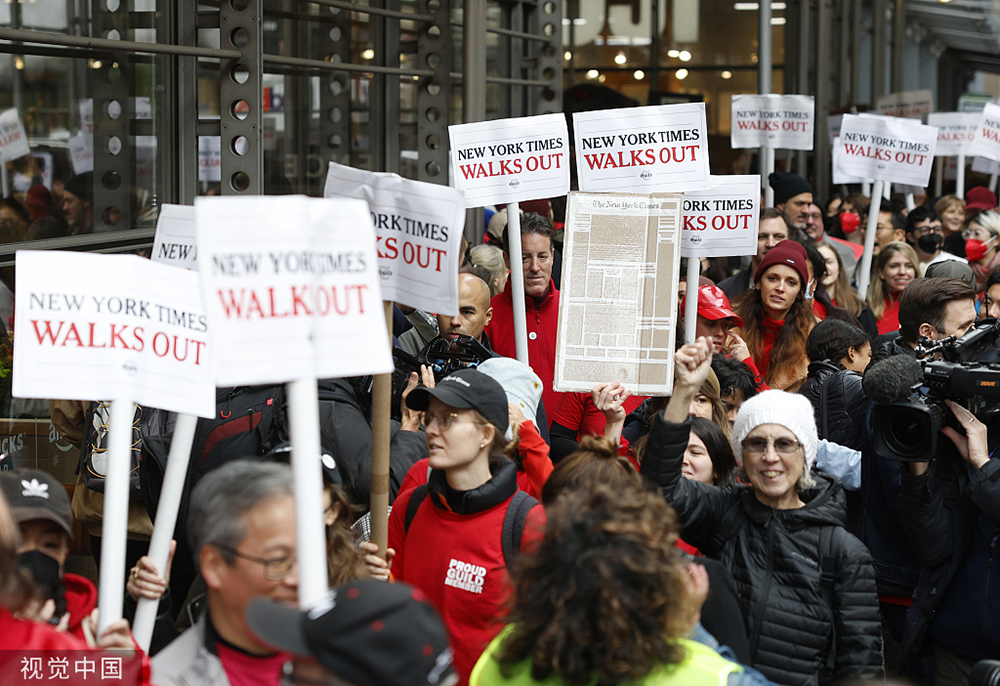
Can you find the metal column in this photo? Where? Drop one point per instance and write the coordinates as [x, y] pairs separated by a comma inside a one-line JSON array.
[[113, 105], [898, 45], [335, 92], [474, 90], [855, 51], [433, 94], [878, 50], [805, 55], [845, 58], [546, 20], [241, 95], [821, 180]]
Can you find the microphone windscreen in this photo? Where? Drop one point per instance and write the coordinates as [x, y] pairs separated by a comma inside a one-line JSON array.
[[893, 379]]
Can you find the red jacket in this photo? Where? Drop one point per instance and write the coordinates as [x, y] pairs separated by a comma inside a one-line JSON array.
[[20, 634], [81, 599], [541, 325], [453, 552]]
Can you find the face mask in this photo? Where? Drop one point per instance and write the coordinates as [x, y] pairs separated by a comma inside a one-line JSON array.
[[930, 242], [976, 249], [849, 222], [44, 569]]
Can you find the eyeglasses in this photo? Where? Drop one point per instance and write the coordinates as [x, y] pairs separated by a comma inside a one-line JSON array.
[[980, 234], [275, 568], [444, 422], [783, 446], [926, 230]]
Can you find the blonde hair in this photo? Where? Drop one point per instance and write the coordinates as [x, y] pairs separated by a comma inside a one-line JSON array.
[[487, 262], [877, 292]]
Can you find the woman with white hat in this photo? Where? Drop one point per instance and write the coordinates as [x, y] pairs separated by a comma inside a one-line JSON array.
[[806, 586]]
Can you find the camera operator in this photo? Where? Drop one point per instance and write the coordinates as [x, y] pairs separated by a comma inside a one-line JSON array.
[[951, 514], [935, 308]]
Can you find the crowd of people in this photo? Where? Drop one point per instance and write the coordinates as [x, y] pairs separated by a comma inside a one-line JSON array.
[[750, 528]]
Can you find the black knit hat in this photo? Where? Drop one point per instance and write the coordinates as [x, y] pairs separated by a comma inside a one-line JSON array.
[[367, 633], [787, 185], [82, 186]]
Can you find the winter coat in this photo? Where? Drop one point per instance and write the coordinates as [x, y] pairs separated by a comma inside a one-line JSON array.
[[951, 514], [838, 401], [806, 586]]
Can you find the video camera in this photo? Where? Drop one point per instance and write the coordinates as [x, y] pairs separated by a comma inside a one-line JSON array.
[[442, 355], [910, 393]]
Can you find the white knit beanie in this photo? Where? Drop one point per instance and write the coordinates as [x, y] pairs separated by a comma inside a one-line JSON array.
[[790, 410]]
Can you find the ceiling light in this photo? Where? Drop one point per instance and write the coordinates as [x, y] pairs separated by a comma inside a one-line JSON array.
[[684, 56], [620, 58], [368, 54], [567, 55], [673, 53], [602, 78], [777, 21], [726, 74], [593, 74], [681, 74], [753, 6], [639, 75]]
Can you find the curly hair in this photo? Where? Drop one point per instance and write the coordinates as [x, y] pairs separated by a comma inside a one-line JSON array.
[[789, 344], [603, 596]]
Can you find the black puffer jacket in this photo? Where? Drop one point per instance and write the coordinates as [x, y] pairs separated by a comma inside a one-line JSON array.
[[806, 586], [839, 391]]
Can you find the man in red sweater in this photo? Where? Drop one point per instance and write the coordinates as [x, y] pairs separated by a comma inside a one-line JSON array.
[[541, 306]]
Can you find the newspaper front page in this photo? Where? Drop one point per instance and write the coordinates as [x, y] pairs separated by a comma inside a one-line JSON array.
[[618, 304]]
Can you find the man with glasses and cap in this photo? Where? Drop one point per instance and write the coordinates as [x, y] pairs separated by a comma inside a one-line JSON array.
[[241, 527]]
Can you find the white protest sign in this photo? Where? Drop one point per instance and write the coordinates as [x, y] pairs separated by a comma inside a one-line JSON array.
[[773, 121], [509, 160], [291, 288], [209, 159], [86, 108], [418, 228], [81, 152], [914, 104], [839, 178], [652, 149], [987, 140], [111, 326], [13, 139], [722, 221], [956, 131], [174, 242], [984, 165], [886, 149], [833, 126]]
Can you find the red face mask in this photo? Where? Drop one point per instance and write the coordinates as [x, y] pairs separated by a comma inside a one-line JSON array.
[[976, 249], [849, 222]]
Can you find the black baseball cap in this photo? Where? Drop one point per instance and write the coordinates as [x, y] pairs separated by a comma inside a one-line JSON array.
[[466, 389], [34, 494], [368, 633]]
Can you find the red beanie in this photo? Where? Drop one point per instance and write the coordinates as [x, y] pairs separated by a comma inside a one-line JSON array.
[[787, 252]]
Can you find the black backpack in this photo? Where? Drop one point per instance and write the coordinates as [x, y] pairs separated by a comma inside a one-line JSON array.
[[249, 421], [513, 520]]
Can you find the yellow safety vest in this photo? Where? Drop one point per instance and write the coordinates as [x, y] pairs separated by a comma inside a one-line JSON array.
[[701, 666]]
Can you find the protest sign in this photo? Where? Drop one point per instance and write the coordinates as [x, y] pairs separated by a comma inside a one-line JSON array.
[[174, 242], [652, 149], [291, 288], [508, 160], [973, 102], [987, 140], [418, 228], [111, 326], [209, 159], [618, 304], [886, 149], [773, 121], [81, 152], [13, 139], [915, 104], [984, 165], [722, 221], [956, 131], [840, 178]]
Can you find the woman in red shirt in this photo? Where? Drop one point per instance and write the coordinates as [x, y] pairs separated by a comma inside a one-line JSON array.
[[777, 318], [895, 269]]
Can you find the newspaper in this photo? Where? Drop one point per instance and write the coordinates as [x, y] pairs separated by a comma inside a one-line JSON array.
[[618, 304]]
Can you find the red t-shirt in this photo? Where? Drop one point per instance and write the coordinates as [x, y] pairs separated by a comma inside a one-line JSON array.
[[244, 669], [890, 318]]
